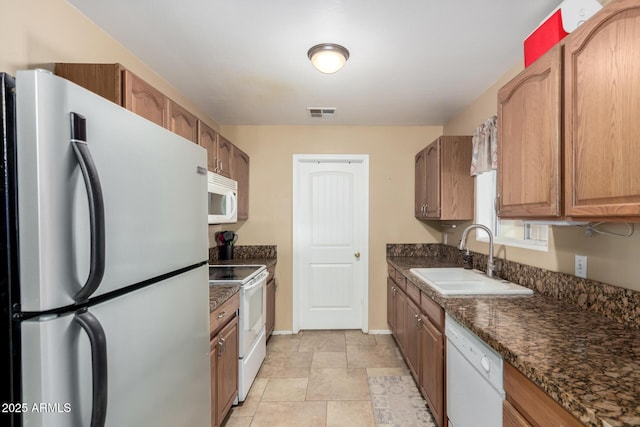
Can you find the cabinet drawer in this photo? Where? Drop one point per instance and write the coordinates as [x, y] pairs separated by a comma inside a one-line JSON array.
[[401, 281], [413, 292], [391, 272], [536, 406], [433, 310], [221, 315], [511, 417]]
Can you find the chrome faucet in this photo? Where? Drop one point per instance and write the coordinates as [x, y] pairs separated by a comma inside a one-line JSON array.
[[463, 240]]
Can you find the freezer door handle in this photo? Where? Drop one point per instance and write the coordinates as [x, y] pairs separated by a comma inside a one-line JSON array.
[[96, 207], [98, 342]]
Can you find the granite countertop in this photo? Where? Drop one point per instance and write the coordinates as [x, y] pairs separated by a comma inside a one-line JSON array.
[[219, 294], [588, 363]]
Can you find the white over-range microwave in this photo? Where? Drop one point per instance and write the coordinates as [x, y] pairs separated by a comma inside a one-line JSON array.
[[223, 199]]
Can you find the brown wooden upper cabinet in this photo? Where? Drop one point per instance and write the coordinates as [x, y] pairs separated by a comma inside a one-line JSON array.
[[143, 99], [119, 85], [240, 172], [599, 90], [225, 156], [182, 122], [529, 140], [219, 150], [443, 187]]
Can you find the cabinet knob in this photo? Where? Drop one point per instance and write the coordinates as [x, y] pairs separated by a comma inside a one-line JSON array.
[[357, 254]]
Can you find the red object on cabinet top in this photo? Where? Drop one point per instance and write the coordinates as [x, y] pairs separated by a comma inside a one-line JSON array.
[[544, 38]]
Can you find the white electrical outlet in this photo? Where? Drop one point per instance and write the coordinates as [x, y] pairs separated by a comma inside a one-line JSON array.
[[581, 266]]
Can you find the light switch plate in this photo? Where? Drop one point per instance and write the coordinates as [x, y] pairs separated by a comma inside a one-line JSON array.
[[581, 266]]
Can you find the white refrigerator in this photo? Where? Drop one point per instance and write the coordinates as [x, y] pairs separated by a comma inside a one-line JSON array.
[[104, 288]]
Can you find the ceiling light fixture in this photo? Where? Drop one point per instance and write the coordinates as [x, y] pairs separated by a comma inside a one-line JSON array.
[[328, 57]]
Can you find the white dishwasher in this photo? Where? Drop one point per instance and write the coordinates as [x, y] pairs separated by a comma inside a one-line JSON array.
[[475, 388]]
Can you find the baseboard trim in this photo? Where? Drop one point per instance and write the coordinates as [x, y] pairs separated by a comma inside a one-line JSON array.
[[282, 333], [379, 332]]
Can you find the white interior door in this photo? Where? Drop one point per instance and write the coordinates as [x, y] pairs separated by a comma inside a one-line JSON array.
[[330, 242]]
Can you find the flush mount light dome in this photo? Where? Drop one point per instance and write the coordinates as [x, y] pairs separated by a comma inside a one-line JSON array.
[[328, 57]]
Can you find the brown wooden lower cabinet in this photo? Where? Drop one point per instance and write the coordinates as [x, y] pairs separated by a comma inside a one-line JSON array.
[[431, 380], [401, 319], [526, 401], [511, 417], [391, 305], [412, 349], [224, 359], [418, 330]]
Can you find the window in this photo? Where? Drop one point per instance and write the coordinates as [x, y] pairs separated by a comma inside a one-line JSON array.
[[506, 232]]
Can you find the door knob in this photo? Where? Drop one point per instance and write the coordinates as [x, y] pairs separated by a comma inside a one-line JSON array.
[[357, 254]]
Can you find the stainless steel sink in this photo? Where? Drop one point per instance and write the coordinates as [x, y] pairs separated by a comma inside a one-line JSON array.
[[458, 281]]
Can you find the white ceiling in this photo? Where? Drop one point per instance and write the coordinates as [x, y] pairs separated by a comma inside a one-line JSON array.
[[244, 62]]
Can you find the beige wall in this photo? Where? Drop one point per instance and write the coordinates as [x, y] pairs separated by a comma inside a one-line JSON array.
[[610, 260], [391, 153], [38, 33]]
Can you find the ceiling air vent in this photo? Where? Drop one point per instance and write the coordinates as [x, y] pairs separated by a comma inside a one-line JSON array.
[[321, 112]]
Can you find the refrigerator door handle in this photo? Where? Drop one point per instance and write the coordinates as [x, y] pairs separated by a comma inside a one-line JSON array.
[[98, 342], [96, 207]]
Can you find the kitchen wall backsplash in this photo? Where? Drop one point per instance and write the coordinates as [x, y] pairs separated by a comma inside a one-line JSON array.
[[247, 252], [414, 250], [620, 304]]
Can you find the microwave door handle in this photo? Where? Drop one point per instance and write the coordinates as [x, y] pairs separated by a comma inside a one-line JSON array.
[[234, 203], [96, 207]]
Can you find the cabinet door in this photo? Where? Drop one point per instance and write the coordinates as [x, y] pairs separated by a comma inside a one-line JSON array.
[[432, 180], [144, 100], [213, 356], [391, 306], [271, 306], [401, 319], [456, 184], [602, 114], [208, 139], [182, 122], [413, 337], [225, 156], [240, 172], [102, 79], [227, 369], [421, 183], [432, 369], [529, 111]]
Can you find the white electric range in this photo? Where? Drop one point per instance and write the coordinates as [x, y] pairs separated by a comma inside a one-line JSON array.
[[251, 318]]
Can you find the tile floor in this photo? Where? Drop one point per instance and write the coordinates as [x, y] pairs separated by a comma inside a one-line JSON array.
[[332, 378]]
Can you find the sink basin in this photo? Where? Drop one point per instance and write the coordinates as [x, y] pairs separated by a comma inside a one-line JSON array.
[[458, 281]]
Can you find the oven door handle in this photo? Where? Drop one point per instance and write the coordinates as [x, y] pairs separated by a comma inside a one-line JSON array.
[[258, 281]]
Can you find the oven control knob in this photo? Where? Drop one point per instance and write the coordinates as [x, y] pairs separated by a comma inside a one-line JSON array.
[[486, 363]]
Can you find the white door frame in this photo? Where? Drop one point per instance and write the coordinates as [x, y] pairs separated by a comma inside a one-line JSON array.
[[364, 257]]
